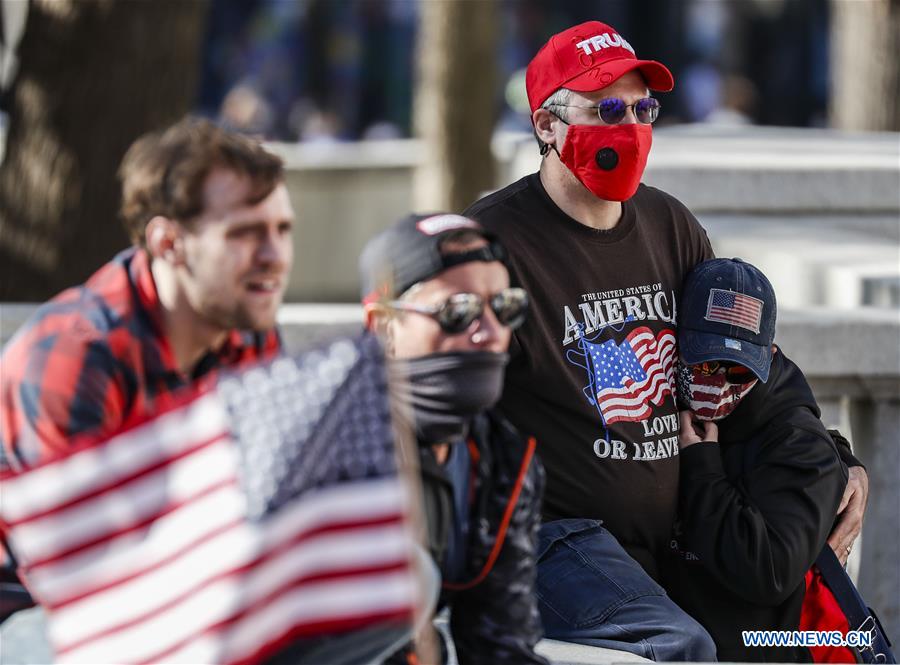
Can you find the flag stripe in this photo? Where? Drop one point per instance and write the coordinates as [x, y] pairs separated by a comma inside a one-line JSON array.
[[58, 482], [340, 599], [75, 574], [207, 648], [654, 394], [213, 609], [102, 489], [728, 315], [398, 617], [174, 556], [344, 599], [707, 407], [176, 533], [135, 504], [362, 549], [101, 541], [738, 308]]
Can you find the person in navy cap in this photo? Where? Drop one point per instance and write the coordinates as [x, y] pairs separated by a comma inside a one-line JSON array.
[[602, 257], [761, 478]]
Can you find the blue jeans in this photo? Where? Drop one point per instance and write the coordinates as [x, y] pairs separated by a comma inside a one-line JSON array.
[[591, 592]]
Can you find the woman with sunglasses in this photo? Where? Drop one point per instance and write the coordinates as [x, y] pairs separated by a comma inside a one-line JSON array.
[[437, 292], [761, 478]]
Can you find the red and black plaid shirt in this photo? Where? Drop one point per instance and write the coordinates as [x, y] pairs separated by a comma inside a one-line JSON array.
[[95, 356]]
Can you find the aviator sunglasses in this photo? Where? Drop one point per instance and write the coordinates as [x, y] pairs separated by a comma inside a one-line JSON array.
[[734, 373], [612, 109], [457, 313]]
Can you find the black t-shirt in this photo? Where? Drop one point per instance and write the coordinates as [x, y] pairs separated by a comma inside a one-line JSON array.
[[592, 367]]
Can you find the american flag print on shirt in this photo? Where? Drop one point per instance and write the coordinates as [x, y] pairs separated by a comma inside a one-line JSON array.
[[734, 309], [628, 378], [264, 511]]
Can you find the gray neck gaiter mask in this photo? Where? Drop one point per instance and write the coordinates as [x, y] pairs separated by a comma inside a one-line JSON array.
[[444, 391]]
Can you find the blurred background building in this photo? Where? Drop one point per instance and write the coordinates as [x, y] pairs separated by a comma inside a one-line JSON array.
[[318, 70], [360, 81]]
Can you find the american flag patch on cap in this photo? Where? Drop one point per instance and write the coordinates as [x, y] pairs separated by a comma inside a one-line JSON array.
[[734, 309]]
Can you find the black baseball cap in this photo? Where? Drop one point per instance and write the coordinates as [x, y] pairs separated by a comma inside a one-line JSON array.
[[409, 252], [727, 313]]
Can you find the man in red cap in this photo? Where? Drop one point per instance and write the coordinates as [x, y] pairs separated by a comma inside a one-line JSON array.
[[603, 258]]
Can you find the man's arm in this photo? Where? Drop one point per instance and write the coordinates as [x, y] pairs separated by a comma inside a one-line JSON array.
[[852, 510], [760, 535], [54, 390]]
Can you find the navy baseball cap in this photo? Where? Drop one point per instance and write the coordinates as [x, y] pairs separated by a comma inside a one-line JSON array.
[[727, 313], [409, 252]]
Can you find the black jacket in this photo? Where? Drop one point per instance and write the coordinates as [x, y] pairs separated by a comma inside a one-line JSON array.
[[493, 616], [755, 510]]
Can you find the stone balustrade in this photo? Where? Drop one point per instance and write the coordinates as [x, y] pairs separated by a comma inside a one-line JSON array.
[[816, 208]]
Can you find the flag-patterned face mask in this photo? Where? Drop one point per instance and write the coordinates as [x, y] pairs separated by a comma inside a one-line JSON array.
[[711, 395]]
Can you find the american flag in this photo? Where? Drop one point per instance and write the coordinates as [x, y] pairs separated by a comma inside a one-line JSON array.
[[628, 377], [265, 511], [735, 309]]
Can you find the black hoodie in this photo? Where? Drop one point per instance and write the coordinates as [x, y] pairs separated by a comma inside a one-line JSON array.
[[755, 510]]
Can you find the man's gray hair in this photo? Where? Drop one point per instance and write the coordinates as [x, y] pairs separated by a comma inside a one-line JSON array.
[[556, 104], [559, 99]]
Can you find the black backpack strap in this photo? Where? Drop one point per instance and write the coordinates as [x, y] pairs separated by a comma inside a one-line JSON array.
[[841, 586], [859, 615]]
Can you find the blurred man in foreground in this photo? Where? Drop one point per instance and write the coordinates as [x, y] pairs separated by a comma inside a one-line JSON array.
[[436, 290], [211, 223]]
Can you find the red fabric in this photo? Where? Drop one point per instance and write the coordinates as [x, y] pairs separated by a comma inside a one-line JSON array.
[[821, 611], [631, 144]]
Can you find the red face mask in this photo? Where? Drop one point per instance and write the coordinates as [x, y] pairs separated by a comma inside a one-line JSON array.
[[609, 159]]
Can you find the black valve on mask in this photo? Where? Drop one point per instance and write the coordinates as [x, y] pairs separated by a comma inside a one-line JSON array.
[[607, 159]]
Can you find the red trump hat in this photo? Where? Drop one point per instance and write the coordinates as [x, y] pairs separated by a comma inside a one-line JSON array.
[[586, 57]]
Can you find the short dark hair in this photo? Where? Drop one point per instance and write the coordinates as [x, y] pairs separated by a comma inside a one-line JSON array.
[[163, 172]]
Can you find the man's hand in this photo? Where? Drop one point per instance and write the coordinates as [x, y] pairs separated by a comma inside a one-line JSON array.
[[850, 513], [695, 431]]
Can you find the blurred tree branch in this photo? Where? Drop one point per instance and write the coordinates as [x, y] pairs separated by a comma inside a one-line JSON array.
[[93, 76], [455, 106], [865, 69]]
